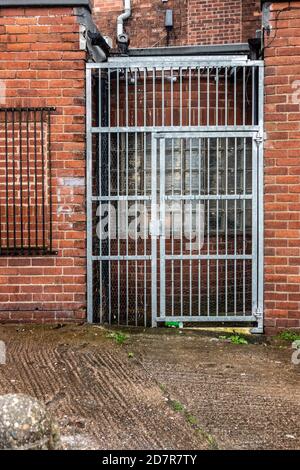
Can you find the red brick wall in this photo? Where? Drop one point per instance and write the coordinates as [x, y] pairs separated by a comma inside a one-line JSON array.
[[41, 65], [146, 25], [216, 22], [195, 21], [282, 169], [251, 18]]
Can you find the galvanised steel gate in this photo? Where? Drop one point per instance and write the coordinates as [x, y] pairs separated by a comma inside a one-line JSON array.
[[175, 190]]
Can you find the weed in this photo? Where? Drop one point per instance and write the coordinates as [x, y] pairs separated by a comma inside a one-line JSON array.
[[130, 355], [237, 339], [176, 405], [118, 337], [289, 336], [192, 420]]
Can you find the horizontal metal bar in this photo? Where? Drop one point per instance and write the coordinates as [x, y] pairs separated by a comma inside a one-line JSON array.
[[2, 109], [209, 257], [165, 62], [186, 131], [216, 197], [188, 51], [121, 198], [25, 252], [204, 319], [179, 59], [121, 258]]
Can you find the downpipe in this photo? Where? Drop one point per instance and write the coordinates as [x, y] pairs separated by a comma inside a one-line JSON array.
[[122, 38], [124, 16]]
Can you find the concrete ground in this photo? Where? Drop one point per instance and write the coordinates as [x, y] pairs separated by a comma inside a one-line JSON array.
[[160, 389]]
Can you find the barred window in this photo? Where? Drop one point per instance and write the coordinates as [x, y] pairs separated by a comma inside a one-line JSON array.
[[25, 181]]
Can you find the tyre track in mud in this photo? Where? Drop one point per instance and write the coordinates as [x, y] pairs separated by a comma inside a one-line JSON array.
[[100, 398], [247, 397]]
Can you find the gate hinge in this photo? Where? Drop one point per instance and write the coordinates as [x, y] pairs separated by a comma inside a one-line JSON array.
[[259, 137], [258, 313]]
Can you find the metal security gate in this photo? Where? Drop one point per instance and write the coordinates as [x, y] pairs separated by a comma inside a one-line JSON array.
[[175, 190]]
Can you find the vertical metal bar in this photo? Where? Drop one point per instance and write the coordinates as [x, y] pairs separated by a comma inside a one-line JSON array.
[[6, 181], [109, 97], [235, 223], [235, 97], [109, 213], [119, 206], [200, 228], [162, 227], [172, 97], [191, 228], [190, 96], [21, 180], [43, 181], [119, 216], [208, 95], [35, 180], [127, 230], [14, 180], [154, 232], [163, 97], [199, 96], [260, 179], [89, 197], [244, 96], [28, 178], [118, 97], [180, 96], [126, 98], [136, 235], [136, 191], [182, 177], [217, 230], [253, 101], [172, 230], [154, 97], [217, 96], [208, 226], [101, 123], [226, 96], [100, 96], [50, 183], [244, 223], [226, 226], [145, 97], [254, 226], [145, 229]]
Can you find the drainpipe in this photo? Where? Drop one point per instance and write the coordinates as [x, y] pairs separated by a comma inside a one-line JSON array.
[[122, 38], [124, 16]]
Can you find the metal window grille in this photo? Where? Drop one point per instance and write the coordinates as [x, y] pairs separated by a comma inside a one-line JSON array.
[[25, 181]]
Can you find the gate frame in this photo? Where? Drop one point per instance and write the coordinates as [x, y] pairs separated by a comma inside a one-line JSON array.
[[257, 235], [230, 131]]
